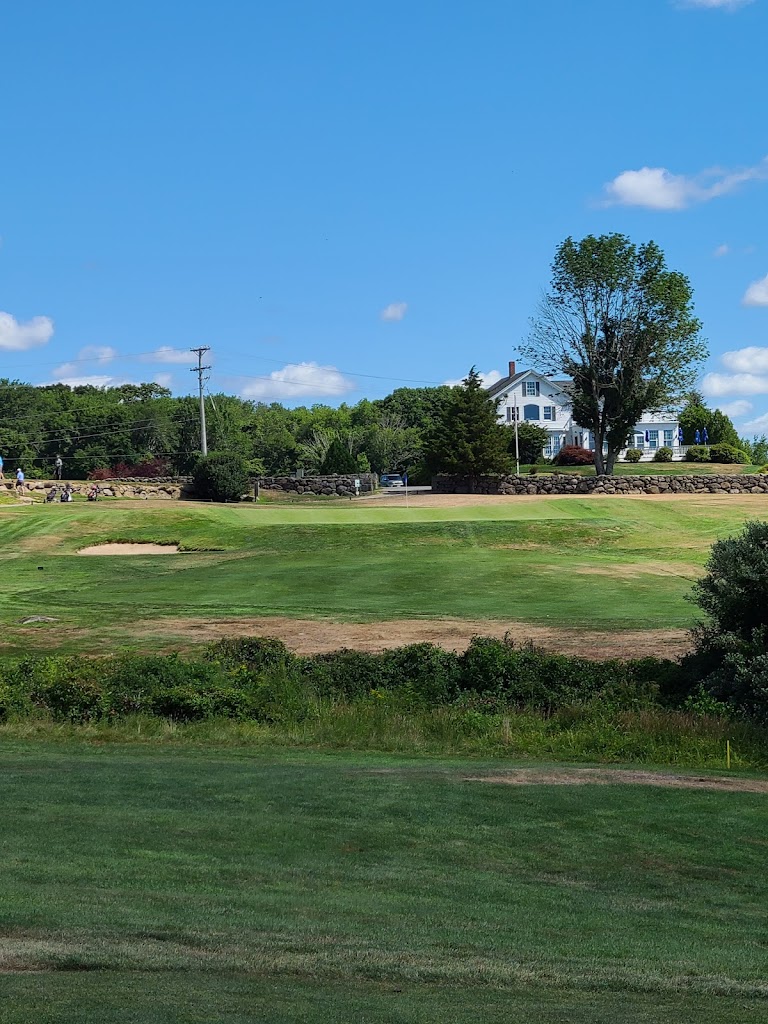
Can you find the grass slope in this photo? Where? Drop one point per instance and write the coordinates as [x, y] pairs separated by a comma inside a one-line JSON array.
[[589, 562], [191, 885]]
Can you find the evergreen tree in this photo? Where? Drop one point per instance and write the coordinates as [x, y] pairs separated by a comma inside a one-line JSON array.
[[696, 415], [338, 460], [467, 438]]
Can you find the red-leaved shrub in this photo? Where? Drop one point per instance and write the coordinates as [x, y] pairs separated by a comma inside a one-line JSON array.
[[574, 455], [126, 471]]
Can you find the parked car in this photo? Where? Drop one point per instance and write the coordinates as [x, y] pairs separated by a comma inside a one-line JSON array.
[[391, 480]]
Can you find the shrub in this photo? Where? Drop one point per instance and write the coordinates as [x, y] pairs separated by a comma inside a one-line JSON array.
[[697, 453], [731, 647], [633, 455], [763, 469], [726, 453], [221, 477], [253, 654], [663, 455], [574, 455]]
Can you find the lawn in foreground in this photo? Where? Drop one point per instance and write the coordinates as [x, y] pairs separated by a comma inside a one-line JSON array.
[[154, 885], [591, 562]]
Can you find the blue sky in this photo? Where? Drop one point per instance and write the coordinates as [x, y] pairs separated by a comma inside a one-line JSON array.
[[340, 197]]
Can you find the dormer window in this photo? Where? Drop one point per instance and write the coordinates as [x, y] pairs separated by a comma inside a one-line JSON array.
[[532, 389]]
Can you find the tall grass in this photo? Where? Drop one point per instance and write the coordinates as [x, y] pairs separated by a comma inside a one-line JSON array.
[[648, 737]]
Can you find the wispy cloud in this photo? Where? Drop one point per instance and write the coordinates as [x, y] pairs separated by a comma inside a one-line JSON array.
[[99, 355], [394, 311], [166, 354], [487, 379], [721, 250], [760, 423], [757, 293], [752, 359], [721, 385], [723, 5], [16, 336], [299, 380], [736, 410], [656, 188]]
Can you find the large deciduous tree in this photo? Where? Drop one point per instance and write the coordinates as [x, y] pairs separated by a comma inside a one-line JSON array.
[[467, 438], [620, 326]]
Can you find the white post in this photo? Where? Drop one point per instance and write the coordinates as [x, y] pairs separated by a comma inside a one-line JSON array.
[[517, 439]]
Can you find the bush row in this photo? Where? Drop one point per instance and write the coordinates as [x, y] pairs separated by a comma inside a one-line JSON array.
[[260, 679]]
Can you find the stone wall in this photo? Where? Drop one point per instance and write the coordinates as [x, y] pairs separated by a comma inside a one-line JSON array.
[[327, 485], [159, 488], [572, 483]]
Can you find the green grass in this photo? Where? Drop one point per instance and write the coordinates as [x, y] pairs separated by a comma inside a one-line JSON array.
[[578, 562], [182, 885]]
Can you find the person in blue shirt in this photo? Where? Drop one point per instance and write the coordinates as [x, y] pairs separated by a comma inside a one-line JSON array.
[[2, 475]]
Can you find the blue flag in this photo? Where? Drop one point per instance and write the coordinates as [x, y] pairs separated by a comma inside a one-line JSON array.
[[647, 437], [697, 437], [705, 436], [680, 435], [405, 479]]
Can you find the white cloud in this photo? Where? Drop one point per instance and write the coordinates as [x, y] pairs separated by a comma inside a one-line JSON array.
[[487, 379], [166, 354], [757, 293], [656, 188], [100, 354], [94, 380], [16, 336], [725, 5], [752, 359], [720, 385], [757, 425], [721, 250], [299, 380], [736, 409], [163, 379], [394, 311]]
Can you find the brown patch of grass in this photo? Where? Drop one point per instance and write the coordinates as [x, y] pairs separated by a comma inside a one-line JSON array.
[[620, 776]]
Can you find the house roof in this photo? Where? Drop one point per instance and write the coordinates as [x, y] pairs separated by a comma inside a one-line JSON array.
[[506, 383]]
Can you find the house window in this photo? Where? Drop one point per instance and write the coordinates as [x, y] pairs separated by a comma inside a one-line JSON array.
[[653, 439], [550, 413], [640, 441], [513, 413], [557, 443], [531, 389], [548, 448], [668, 436], [532, 412]]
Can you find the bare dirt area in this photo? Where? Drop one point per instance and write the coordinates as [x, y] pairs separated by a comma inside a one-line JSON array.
[[317, 636], [619, 776], [130, 549], [750, 501]]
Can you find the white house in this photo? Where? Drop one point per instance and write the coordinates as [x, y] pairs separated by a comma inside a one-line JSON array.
[[541, 400]]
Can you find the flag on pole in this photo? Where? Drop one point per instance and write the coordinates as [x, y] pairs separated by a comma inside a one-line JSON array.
[[705, 436], [405, 479], [680, 435], [697, 437]]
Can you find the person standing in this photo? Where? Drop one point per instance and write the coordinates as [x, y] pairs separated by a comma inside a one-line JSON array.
[[19, 481], [59, 466]]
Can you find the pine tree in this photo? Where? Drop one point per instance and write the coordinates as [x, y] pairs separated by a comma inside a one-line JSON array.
[[467, 439], [338, 460]]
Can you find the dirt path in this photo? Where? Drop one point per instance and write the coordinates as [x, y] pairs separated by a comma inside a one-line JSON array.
[[614, 776], [313, 636]]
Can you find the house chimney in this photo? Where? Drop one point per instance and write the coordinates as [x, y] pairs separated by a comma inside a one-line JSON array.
[[511, 368]]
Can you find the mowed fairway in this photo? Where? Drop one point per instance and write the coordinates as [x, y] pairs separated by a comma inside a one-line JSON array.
[[576, 563], [149, 885]]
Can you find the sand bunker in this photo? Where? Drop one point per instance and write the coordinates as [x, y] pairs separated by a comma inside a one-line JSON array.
[[613, 776], [130, 549]]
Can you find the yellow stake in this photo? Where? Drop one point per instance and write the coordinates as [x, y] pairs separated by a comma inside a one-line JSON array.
[[728, 752]]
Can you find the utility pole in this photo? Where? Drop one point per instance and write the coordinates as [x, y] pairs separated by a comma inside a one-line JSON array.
[[517, 439], [199, 371]]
